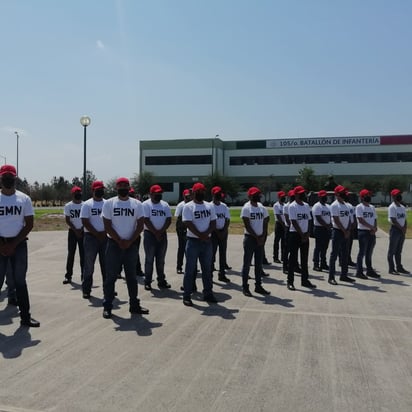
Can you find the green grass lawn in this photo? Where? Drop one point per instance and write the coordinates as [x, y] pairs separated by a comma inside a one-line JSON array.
[[235, 219]]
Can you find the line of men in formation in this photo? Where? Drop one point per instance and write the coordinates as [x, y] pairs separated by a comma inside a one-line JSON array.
[[111, 229], [336, 223]]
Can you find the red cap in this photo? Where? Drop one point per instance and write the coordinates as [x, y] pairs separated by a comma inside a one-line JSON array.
[[97, 184], [186, 192], [365, 192], [8, 169], [198, 186], [122, 180], [395, 192], [131, 191], [322, 193], [291, 193], [253, 191], [339, 189], [281, 194], [156, 189], [216, 189], [299, 190], [76, 189]]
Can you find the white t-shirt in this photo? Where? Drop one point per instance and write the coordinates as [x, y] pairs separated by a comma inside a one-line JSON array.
[[72, 210], [124, 215], [13, 210], [352, 211], [179, 208], [200, 214], [343, 212], [222, 214], [300, 213], [398, 213], [322, 210], [256, 215], [285, 212], [368, 213], [92, 210], [156, 212], [278, 210]]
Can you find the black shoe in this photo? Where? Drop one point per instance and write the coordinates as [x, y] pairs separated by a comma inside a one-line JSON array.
[[140, 274], [276, 260], [227, 267], [86, 295], [332, 281], [317, 268], [352, 264], [291, 287], [66, 281], [346, 279], [265, 274], [115, 293], [285, 271], [12, 301], [373, 274], [246, 291], [30, 322], [163, 285], [140, 310], [361, 276], [259, 289], [223, 278], [403, 271], [308, 284], [187, 302], [324, 267], [265, 262], [393, 272], [214, 269], [179, 271], [147, 286], [107, 313]]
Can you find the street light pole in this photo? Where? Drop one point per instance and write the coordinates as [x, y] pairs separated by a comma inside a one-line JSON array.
[[17, 160], [84, 121], [213, 154]]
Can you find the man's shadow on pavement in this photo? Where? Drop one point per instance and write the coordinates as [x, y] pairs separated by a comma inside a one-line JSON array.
[[136, 323], [12, 346], [320, 293]]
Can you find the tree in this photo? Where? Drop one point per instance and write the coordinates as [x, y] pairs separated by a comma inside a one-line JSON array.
[[61, 188], [143, 182], [391, 182], [229, 186], [90, 178], [267, 185], [306, 178], [330, 183]]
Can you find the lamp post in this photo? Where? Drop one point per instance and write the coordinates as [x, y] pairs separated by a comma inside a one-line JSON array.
[[17, 160], [84, 121], [4, 157], [213, 154]]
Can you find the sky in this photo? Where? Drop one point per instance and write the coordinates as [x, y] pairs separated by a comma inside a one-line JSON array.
[[177, 69]]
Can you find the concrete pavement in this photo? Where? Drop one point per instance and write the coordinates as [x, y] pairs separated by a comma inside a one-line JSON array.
[[338, 348]]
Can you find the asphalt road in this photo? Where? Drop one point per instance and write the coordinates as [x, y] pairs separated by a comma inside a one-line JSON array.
[[337, 348]]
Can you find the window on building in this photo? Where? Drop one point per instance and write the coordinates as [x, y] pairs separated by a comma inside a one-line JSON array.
[[178, 160], [321, 158]]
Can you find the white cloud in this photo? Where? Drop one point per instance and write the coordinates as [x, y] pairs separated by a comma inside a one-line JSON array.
[[100, 45], [11, 130]]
